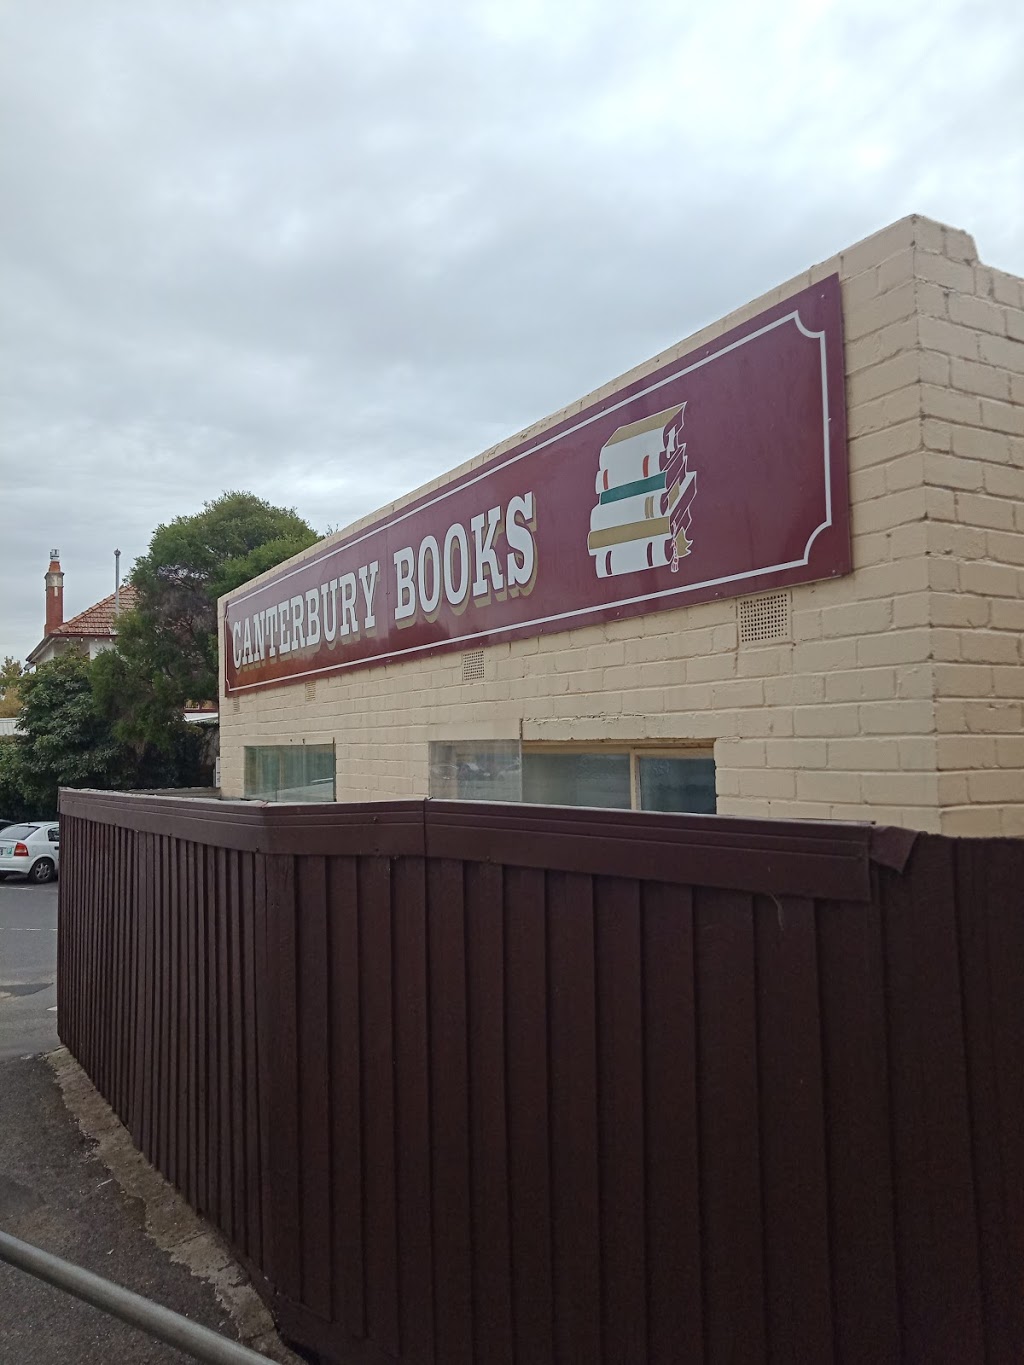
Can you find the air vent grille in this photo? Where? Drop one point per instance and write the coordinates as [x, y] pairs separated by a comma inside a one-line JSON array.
[[766, 618], [236, 706], [311, 690], [473, 666]]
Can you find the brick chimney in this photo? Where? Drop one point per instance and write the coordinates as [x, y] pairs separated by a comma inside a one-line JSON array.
[[54, 594]]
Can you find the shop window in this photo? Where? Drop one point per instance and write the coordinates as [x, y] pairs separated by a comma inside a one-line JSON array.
[[680, 780], [289, 772], [677, 784], [476, 770], [576, 779]]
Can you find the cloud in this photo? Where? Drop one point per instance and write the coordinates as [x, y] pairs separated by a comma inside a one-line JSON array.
[[327, 253]]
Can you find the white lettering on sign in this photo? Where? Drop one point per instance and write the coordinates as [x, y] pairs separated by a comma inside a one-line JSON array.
[[495, 554]]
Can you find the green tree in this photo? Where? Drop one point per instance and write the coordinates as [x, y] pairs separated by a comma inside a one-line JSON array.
[[166, 652], [65, 740], [13, 803], [11, 674]]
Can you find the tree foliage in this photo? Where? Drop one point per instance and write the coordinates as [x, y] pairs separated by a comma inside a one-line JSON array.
[[11, 674], [64, 740], [166, 651]]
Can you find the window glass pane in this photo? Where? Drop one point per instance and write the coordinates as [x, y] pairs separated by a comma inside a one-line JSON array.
[[289, 772], [678, 784], [576, 779], [476, 770]]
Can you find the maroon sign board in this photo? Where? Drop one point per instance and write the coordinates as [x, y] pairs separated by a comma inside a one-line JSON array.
[[722, 474]]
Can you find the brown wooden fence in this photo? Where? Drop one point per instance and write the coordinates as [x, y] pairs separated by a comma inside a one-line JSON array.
[[483, 1083]]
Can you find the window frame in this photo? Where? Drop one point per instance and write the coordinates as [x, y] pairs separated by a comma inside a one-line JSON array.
[[684, 749]]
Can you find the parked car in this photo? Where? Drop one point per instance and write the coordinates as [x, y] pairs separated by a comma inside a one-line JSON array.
[[31, 850]]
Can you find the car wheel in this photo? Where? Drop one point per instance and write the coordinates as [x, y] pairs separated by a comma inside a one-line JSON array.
[[42, 871]]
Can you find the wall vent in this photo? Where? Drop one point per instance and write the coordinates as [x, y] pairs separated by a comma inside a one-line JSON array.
[[236, 706], [311, 690], [473, 666], [766, 618]]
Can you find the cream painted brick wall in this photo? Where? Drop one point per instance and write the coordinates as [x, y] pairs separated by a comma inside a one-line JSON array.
[[899, 697]]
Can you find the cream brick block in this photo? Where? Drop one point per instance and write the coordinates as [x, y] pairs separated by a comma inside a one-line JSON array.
[[862, 755], [1006, 352], [971, 821], [883, 514], [1009, 615], [897, 647], [829, 787], [1010, 751], [1000, 416], [892, 375], [963, 680], [1006, 547], [980, 314], [939, 269], [1008, 681], [937, 334], [905, 472], [919, 752], [990, 646], [861, 684], [1011, 821], [882, 446], [1003, 785], [796, 753], [896, 269], [737, 693], [984, 380], [1004, 482], [740, 753], [826, 721], [762, 722], [897, 717], [820, 656], [901, 789], [767, 783], [884, 309]]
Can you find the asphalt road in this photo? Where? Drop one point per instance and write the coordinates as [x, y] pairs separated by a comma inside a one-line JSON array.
[[28, 969]]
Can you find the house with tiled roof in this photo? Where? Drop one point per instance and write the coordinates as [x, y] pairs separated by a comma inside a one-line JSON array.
[[91, 631]]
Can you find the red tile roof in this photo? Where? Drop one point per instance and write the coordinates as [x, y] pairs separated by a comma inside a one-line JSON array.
[[98, 620]]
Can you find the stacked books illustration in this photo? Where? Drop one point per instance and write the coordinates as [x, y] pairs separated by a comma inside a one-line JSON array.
[[645, 495]]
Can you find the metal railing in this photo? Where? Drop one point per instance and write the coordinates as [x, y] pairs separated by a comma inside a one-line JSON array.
[[162, 1323]]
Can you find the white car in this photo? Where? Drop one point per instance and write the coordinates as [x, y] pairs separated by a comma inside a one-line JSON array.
[[33, 850]]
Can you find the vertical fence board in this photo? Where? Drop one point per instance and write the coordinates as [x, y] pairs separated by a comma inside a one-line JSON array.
[[377, 1027], [347, 1234], [575, 1174], [250, 1014], [936, 1232], [449, 1113], [733, 1259], [991, 927], [526, 1017], [794, 1175], [204, 1015], [172, 984], [672, 1140], [236, 1052], [283, 1246], [865, 1302], [620, 1014], [488, 1121], [314, 1083], [412, 1113]]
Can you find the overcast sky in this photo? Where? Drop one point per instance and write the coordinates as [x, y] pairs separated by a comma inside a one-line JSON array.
[[325, 251]]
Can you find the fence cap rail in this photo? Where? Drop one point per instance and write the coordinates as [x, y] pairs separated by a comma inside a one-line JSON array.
[[819, 859]]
